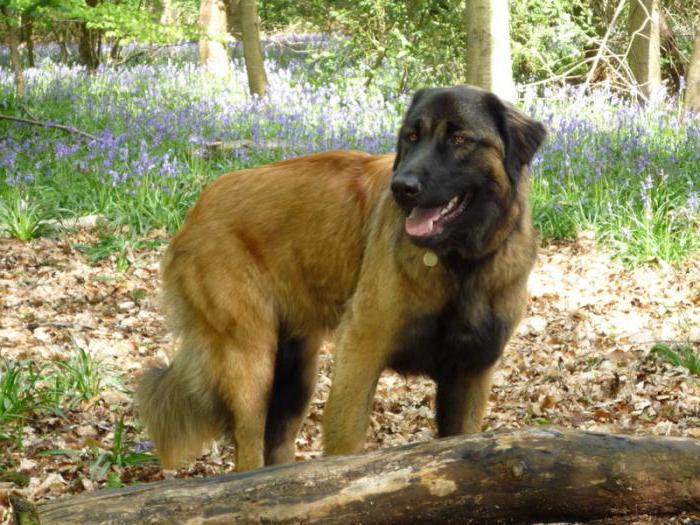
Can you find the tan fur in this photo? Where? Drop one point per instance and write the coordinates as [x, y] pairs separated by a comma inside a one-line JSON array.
[[244, 265]]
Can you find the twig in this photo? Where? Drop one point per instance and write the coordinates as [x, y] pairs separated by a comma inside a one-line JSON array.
[[67, 129], [26, 110], [599, 54]]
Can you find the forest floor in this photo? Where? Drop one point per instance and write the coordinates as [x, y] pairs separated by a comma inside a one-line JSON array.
[[580, 359]]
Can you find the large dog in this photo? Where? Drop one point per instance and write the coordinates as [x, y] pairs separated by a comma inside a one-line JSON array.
[[421, 261]]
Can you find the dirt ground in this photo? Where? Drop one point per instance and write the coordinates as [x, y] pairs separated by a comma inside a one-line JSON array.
[[580, 358]]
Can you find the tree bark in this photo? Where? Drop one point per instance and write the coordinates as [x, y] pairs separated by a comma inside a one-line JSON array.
[[692, 90], [532, 475], [252, 49], [167, 15], [645, 46], [213, 56], [488, 47], [233, 18], [89, 43], [13, 41], [27, 38]]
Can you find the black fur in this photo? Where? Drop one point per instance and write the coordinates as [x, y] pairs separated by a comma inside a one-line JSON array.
[[521, 135], [290, 393], [445, 343], [428, 157]]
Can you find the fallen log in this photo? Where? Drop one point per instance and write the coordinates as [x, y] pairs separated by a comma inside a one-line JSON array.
[[539, 474]]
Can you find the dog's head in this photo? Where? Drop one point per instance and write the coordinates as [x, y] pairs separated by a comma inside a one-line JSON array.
[[460, 156]]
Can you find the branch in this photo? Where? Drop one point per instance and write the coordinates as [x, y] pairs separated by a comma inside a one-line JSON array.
[[599, 54], [67, 129]]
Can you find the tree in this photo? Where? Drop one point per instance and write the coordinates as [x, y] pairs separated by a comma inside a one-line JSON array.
[[488, 46], [13, 41], [645, 49], [90, 43], [213, 56], [252, 50], [692, 91], [233, 18]]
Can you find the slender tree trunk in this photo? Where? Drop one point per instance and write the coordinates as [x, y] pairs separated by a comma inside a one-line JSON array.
[[167, 15], [89, 44], [692, 90], [13, 41], [233, 18], [115, 50], [213, 56], [645, 47], [488, 46], [27, 35], [252, 49]]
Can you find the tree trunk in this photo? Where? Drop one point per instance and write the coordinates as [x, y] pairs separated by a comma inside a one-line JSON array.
[[233, 17], [167, 15], [252, 49], [89, 43], [27, 35], [13, 41], [531, 475], [488, 47], [692, 90], [645, 48], [213, 56], [115, 50]]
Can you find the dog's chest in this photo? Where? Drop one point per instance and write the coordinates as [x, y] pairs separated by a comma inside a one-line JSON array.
[[464, 337]]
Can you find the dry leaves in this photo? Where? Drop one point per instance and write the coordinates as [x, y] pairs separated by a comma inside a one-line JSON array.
[[579, 358]]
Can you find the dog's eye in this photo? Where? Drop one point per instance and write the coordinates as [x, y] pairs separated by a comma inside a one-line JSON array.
[[412, 136], [459, 139]]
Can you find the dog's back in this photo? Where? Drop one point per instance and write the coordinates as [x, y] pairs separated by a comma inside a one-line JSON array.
[[265, 262]]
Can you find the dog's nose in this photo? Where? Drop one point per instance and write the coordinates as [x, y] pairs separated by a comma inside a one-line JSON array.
[[406, 185]]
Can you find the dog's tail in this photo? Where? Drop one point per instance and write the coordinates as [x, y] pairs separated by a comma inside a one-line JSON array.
[[181, 410]]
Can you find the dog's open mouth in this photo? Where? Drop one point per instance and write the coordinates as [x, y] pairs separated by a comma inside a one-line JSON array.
[[429, 222]]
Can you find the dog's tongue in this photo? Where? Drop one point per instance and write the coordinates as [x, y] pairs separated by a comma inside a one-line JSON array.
[[422, 221]]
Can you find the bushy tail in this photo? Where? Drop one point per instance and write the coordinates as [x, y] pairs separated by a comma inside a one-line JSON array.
[[181, 411]]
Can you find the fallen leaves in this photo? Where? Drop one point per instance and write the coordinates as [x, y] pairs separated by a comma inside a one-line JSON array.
[[580, 358]]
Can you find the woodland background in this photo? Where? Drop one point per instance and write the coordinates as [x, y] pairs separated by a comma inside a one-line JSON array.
[[114, 114]]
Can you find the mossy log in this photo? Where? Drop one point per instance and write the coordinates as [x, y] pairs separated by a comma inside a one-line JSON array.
[[532, 475]]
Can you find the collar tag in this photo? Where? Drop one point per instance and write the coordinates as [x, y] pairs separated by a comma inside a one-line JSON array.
[[430, 259]]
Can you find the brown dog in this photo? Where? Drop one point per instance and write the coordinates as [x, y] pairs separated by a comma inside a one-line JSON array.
[[421, 261]]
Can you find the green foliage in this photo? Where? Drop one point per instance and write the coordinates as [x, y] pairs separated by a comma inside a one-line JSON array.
[[18, 397], [420, 42], [126, 20], [550, 38], [21, 218], [119, 455], [683, 355], [28, 390], [82, 376]]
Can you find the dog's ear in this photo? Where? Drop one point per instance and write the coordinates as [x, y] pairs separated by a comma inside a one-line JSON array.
[[521, 135], [417, 96]]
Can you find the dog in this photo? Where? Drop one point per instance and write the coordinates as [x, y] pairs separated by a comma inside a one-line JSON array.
[[418, 260]]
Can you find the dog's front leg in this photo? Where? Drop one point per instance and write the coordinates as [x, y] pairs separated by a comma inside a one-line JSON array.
[[461, 401], [359, 360]]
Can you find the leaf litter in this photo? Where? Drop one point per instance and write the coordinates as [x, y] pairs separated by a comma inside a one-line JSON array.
[[580, 359]]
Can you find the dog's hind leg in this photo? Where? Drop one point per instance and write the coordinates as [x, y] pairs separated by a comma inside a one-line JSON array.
[[244, 360], [295, 378]]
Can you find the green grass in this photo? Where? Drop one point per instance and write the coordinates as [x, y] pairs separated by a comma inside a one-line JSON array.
[[119, 455], [121, 246], [28, 390], [21, 218], [682, 355], [19, 397]]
